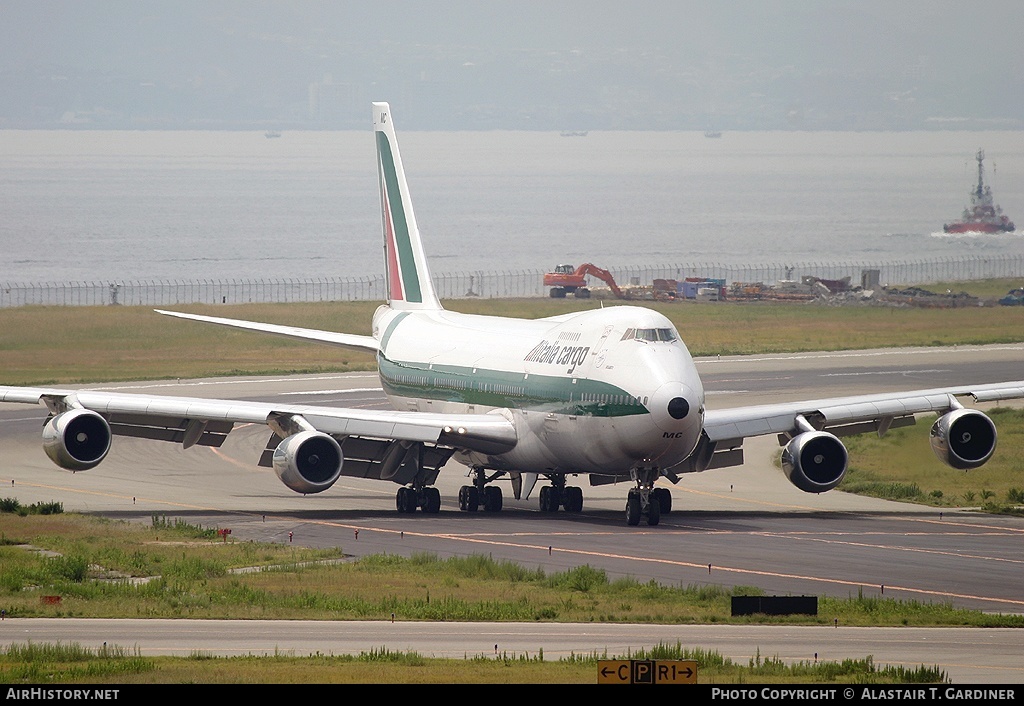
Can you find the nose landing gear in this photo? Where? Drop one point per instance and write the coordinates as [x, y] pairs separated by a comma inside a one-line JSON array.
[[645, 500]]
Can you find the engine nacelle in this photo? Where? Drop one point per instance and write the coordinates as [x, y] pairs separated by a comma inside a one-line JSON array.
[[77, 440], [963, 438], [308, 462], [815, 461]]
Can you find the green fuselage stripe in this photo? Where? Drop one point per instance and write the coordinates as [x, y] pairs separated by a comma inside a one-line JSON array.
[[391, 329], [496, 388], [406, 262]]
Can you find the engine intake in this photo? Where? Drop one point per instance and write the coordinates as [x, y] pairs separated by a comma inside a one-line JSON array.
[[964, 438], [308, 462], [815, 461], [77, 440]]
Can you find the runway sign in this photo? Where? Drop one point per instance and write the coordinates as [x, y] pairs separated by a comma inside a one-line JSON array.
[[646, 671]]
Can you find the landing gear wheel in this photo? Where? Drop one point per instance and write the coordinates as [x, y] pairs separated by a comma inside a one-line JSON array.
[[633, 508], [573, 496], [653, 512], [550, 498], [664, 499], [469, 498], [431, 500], [492, 499], [405, 500]]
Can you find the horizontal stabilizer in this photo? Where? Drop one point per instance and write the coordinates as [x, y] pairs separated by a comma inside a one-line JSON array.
[[345, 340]]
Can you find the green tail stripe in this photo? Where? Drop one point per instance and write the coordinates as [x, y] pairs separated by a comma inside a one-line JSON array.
[[390, 330], [406, 261]]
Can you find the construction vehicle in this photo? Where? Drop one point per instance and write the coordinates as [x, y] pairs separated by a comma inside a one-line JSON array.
[[568, 280], [1015, 297]]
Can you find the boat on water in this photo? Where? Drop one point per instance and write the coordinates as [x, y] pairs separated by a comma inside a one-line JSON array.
[[272, 133], [983, 215]]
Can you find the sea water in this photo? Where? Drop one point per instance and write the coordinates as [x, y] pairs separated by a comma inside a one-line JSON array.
[[187, 205]]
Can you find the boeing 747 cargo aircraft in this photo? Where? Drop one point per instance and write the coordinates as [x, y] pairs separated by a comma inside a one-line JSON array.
[[607, 395]]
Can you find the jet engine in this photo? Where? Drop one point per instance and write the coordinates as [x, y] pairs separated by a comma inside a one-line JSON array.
[[814, 461], [76, 440], [308, 462], [964, 438]]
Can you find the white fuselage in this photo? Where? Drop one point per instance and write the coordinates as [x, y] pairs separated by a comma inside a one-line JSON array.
[[601, 391]]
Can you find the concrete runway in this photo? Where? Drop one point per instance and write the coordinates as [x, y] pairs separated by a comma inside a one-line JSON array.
[[745, 526]]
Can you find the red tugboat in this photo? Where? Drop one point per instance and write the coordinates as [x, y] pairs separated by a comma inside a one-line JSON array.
[[983, 216]]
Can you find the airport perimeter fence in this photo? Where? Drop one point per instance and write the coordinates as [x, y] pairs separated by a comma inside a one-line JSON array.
[[492, 285]]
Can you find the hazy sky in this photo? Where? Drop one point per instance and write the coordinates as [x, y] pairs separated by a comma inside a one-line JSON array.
[[38, 29], [264, 55]]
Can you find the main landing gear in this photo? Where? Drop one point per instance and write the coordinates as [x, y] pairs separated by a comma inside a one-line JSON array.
[[427, 497], [471, 497], [647, 501], [558, 494]]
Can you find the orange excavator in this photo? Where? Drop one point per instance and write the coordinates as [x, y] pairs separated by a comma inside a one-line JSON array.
[[565, 280]]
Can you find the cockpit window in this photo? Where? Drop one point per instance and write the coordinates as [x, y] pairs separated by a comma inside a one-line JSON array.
[[650, 334]]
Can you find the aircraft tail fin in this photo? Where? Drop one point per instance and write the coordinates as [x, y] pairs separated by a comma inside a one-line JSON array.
[[408, 278]]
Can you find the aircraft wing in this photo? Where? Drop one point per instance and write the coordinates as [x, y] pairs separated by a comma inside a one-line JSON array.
[[841, 416], [346, 340], [365, 436]]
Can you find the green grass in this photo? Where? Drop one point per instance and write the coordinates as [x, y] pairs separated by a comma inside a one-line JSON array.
[[70, 663], [87, 561], [189, 573], [47, 345], [982, 288]]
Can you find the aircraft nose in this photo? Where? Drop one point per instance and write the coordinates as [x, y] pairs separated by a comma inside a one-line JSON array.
[[674, 406]]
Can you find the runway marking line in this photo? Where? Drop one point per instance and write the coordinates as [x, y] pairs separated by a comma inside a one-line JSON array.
[[562, 550], [668, 562], [480, 539], [917, 550], [750, 572], [755, 501], [546, 548], [973, 523]]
